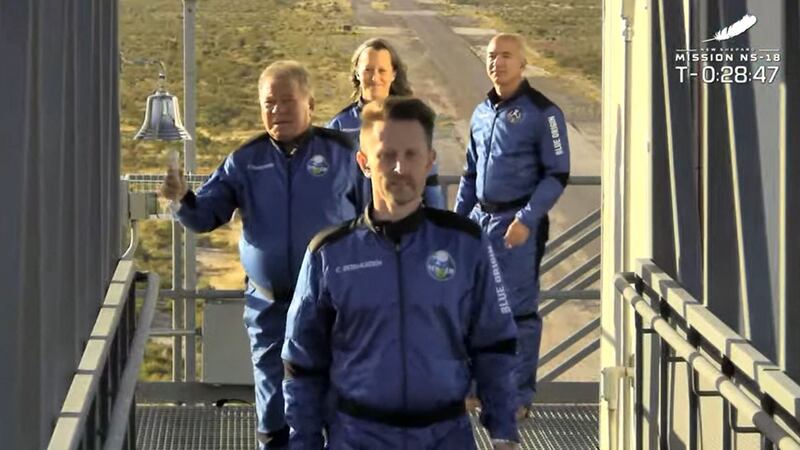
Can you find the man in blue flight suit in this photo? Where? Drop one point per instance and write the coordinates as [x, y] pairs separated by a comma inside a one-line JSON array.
[[517, 167], [288, 184], [377, 73], [396, 311]]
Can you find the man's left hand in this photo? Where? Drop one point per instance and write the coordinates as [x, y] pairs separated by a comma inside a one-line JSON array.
[[516, 234]]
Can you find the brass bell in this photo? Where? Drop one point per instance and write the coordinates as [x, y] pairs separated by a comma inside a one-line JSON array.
[[162, 119]]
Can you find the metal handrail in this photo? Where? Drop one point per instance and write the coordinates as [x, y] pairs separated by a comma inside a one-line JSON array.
[[99, 392], [730, 345], [575, 180], [120, 423], [740, 361]]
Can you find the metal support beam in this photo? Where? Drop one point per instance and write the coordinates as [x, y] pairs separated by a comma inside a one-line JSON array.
[[566, 251], [568, 342], [178, 304], [568, 279], [572, 360], [190, 165], [586, 222]]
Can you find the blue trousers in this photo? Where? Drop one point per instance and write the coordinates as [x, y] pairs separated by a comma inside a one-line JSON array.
[[265, 321], [520, 271], [350, 433]]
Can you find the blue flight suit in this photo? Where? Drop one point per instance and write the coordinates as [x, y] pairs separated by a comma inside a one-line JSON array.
[[396, 319], [348, 121], [285, 193], [517, 167]]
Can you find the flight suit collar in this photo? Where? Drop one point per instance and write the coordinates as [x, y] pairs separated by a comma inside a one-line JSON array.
[[289, 148], [394, 231], [523, 89]]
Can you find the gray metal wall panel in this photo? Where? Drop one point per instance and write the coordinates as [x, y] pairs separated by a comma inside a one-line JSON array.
[[680, 170], [14, 46], [751, 143], [791, 246], [60, 165], [50, 108], [767, 99], [663, 231], [721, 279], [742, 129]]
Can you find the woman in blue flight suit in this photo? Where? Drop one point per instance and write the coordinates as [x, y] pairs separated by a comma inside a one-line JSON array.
[[378, 72]]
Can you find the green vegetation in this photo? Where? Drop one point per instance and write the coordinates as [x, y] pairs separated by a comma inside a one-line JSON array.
[[566, 31], [157, 365], [234, 42]]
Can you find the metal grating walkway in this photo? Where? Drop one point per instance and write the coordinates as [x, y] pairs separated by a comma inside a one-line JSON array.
[[551, 427], [195, 427]]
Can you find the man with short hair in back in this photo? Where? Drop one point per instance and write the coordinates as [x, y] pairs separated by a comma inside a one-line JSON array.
[[396, 311], [288, 184], [517, 167]]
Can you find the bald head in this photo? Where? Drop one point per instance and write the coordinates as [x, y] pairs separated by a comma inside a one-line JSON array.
[[505, 60], [513, 39]]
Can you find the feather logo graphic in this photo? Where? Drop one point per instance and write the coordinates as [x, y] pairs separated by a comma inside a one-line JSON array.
[[735, 29]]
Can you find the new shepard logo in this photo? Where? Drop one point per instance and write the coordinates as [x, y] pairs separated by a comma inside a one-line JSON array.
[[441, 266], [317, 166], [514, 115], [740, 26], [728, 64]]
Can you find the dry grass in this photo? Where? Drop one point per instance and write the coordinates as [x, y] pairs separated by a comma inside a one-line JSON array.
[[565, 36]]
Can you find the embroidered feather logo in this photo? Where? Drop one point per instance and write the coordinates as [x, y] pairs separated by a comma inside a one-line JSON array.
[[733, 30]]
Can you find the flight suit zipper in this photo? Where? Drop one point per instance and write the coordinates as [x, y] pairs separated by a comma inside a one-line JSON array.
[[404, 379], [489, 152], [289, 174], [403, 355]]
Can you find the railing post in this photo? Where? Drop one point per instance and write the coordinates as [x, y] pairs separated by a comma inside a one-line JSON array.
[[177, 302], [130, 441], [639, 372], [727, 431], [663, 383], [190, 165], [768, 404], [694, 402]]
